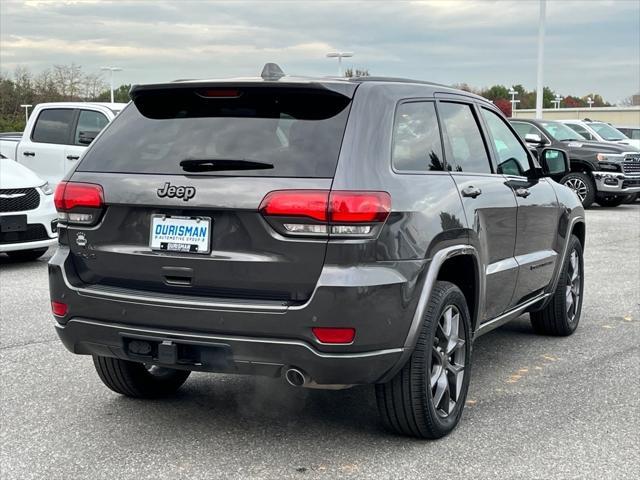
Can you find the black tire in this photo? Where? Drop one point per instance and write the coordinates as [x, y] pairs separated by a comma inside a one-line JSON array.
[[27, 255], [136, 380], [611, 200], [406, 403], [557, 318], [631, 198], [579, 180]]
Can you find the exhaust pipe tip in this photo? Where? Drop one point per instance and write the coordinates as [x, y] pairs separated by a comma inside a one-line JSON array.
[[295, 377]]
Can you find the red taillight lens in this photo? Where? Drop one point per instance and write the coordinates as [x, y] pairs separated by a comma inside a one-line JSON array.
[[334, 335], [69, 195], [359, 207], [296, 203], [59, 309], [219, 93]]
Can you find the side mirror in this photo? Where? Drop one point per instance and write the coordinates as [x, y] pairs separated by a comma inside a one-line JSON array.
[[554, 162], [534, 139]]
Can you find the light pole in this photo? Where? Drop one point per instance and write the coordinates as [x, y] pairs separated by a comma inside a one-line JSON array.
[[540, 88], [590, 101], [513, 94], [339, 56], [111, 69], [26, 112], [557, 101]]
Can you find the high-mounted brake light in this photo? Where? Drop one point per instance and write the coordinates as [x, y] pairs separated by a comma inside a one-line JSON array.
[[71, 195], [318, 212], [219, 93]]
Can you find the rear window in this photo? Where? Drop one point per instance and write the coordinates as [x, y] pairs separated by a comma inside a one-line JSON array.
[[298, 131]]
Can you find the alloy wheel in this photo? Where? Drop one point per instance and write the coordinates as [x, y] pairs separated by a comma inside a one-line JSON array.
[[577, 186], [572, 289], [448, 357]]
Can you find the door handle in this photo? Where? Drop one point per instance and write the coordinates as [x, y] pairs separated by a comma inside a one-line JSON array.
[[29, 154], [471, 191], [73, 157], [522, 192]]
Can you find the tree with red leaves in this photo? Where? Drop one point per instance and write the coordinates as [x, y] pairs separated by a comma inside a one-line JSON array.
[[504, 105]]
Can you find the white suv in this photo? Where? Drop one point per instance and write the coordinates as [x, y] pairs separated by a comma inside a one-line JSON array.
[[28, 218], [600, 132]]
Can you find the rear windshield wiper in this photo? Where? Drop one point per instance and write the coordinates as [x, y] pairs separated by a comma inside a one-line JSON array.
[[213, 165]]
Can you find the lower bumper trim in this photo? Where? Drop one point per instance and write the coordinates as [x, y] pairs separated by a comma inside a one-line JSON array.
[[227, 354]]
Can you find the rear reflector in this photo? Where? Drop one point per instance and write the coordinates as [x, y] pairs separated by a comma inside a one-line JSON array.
[[59, 309], [334, 335], [69, 195]]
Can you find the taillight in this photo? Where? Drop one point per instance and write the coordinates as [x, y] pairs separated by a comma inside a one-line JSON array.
[[78, 202], [321, 212]]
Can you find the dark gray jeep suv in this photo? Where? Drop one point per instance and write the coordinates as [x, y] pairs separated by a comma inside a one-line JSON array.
[[331, 232]]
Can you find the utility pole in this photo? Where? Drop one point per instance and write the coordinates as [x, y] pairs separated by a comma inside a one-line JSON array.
[[339, 56], [26, 112], [111, 69], [514, 102], [540, 87], [590, 101]]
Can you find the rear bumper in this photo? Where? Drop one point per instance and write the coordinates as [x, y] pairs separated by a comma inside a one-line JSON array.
[[227, 354], [254, 338]]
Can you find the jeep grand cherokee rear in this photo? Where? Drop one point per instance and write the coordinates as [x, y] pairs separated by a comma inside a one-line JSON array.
[[330, 232]]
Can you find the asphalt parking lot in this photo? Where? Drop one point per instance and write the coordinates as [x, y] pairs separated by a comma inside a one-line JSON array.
[[538, 407]]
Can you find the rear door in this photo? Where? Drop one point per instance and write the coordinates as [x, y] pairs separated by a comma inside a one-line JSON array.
[[240, 143], [538, 212], [489, 203], [86, 127], [44, 150]]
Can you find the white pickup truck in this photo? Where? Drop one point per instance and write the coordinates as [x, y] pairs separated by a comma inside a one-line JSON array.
[[56, 135]]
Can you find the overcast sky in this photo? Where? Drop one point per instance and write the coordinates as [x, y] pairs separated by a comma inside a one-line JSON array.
[[591, 45]]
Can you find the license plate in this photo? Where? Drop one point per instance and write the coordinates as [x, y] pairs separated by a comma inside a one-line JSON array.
[[180, 234], [13, 223]]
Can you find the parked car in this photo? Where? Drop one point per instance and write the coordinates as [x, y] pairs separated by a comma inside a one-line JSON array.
[[28, 218], [56, 135], [332, 232], [606, 173], [633, 132], [601, 132]]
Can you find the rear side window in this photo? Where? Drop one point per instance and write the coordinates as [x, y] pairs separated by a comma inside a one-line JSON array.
[[416, 138], [89, 125], [297, 132], [468, 152], [581, 130], [53, 126]]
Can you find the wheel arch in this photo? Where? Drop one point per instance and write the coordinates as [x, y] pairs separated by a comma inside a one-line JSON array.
[[448, 264]]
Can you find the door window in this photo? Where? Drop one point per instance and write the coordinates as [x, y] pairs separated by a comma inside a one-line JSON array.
[[467, 150], [513, 158], [581, 130], [89, 125], [416, 138], [53, 126]]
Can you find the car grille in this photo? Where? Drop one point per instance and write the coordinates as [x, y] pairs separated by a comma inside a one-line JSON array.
[[631, 164], [33, 233], [19, 199], [629, 183]]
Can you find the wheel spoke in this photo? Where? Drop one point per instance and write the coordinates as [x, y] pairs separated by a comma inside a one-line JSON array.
[[441, 386], [455, 380]]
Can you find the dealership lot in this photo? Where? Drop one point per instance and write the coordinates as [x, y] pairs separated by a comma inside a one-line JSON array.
[[538, 407]]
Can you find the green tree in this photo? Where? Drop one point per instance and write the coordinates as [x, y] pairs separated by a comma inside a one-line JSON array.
[[120, 94], [350, 72]]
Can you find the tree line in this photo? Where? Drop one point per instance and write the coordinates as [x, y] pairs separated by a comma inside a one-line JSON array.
[[60, 83], [70, 83]]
